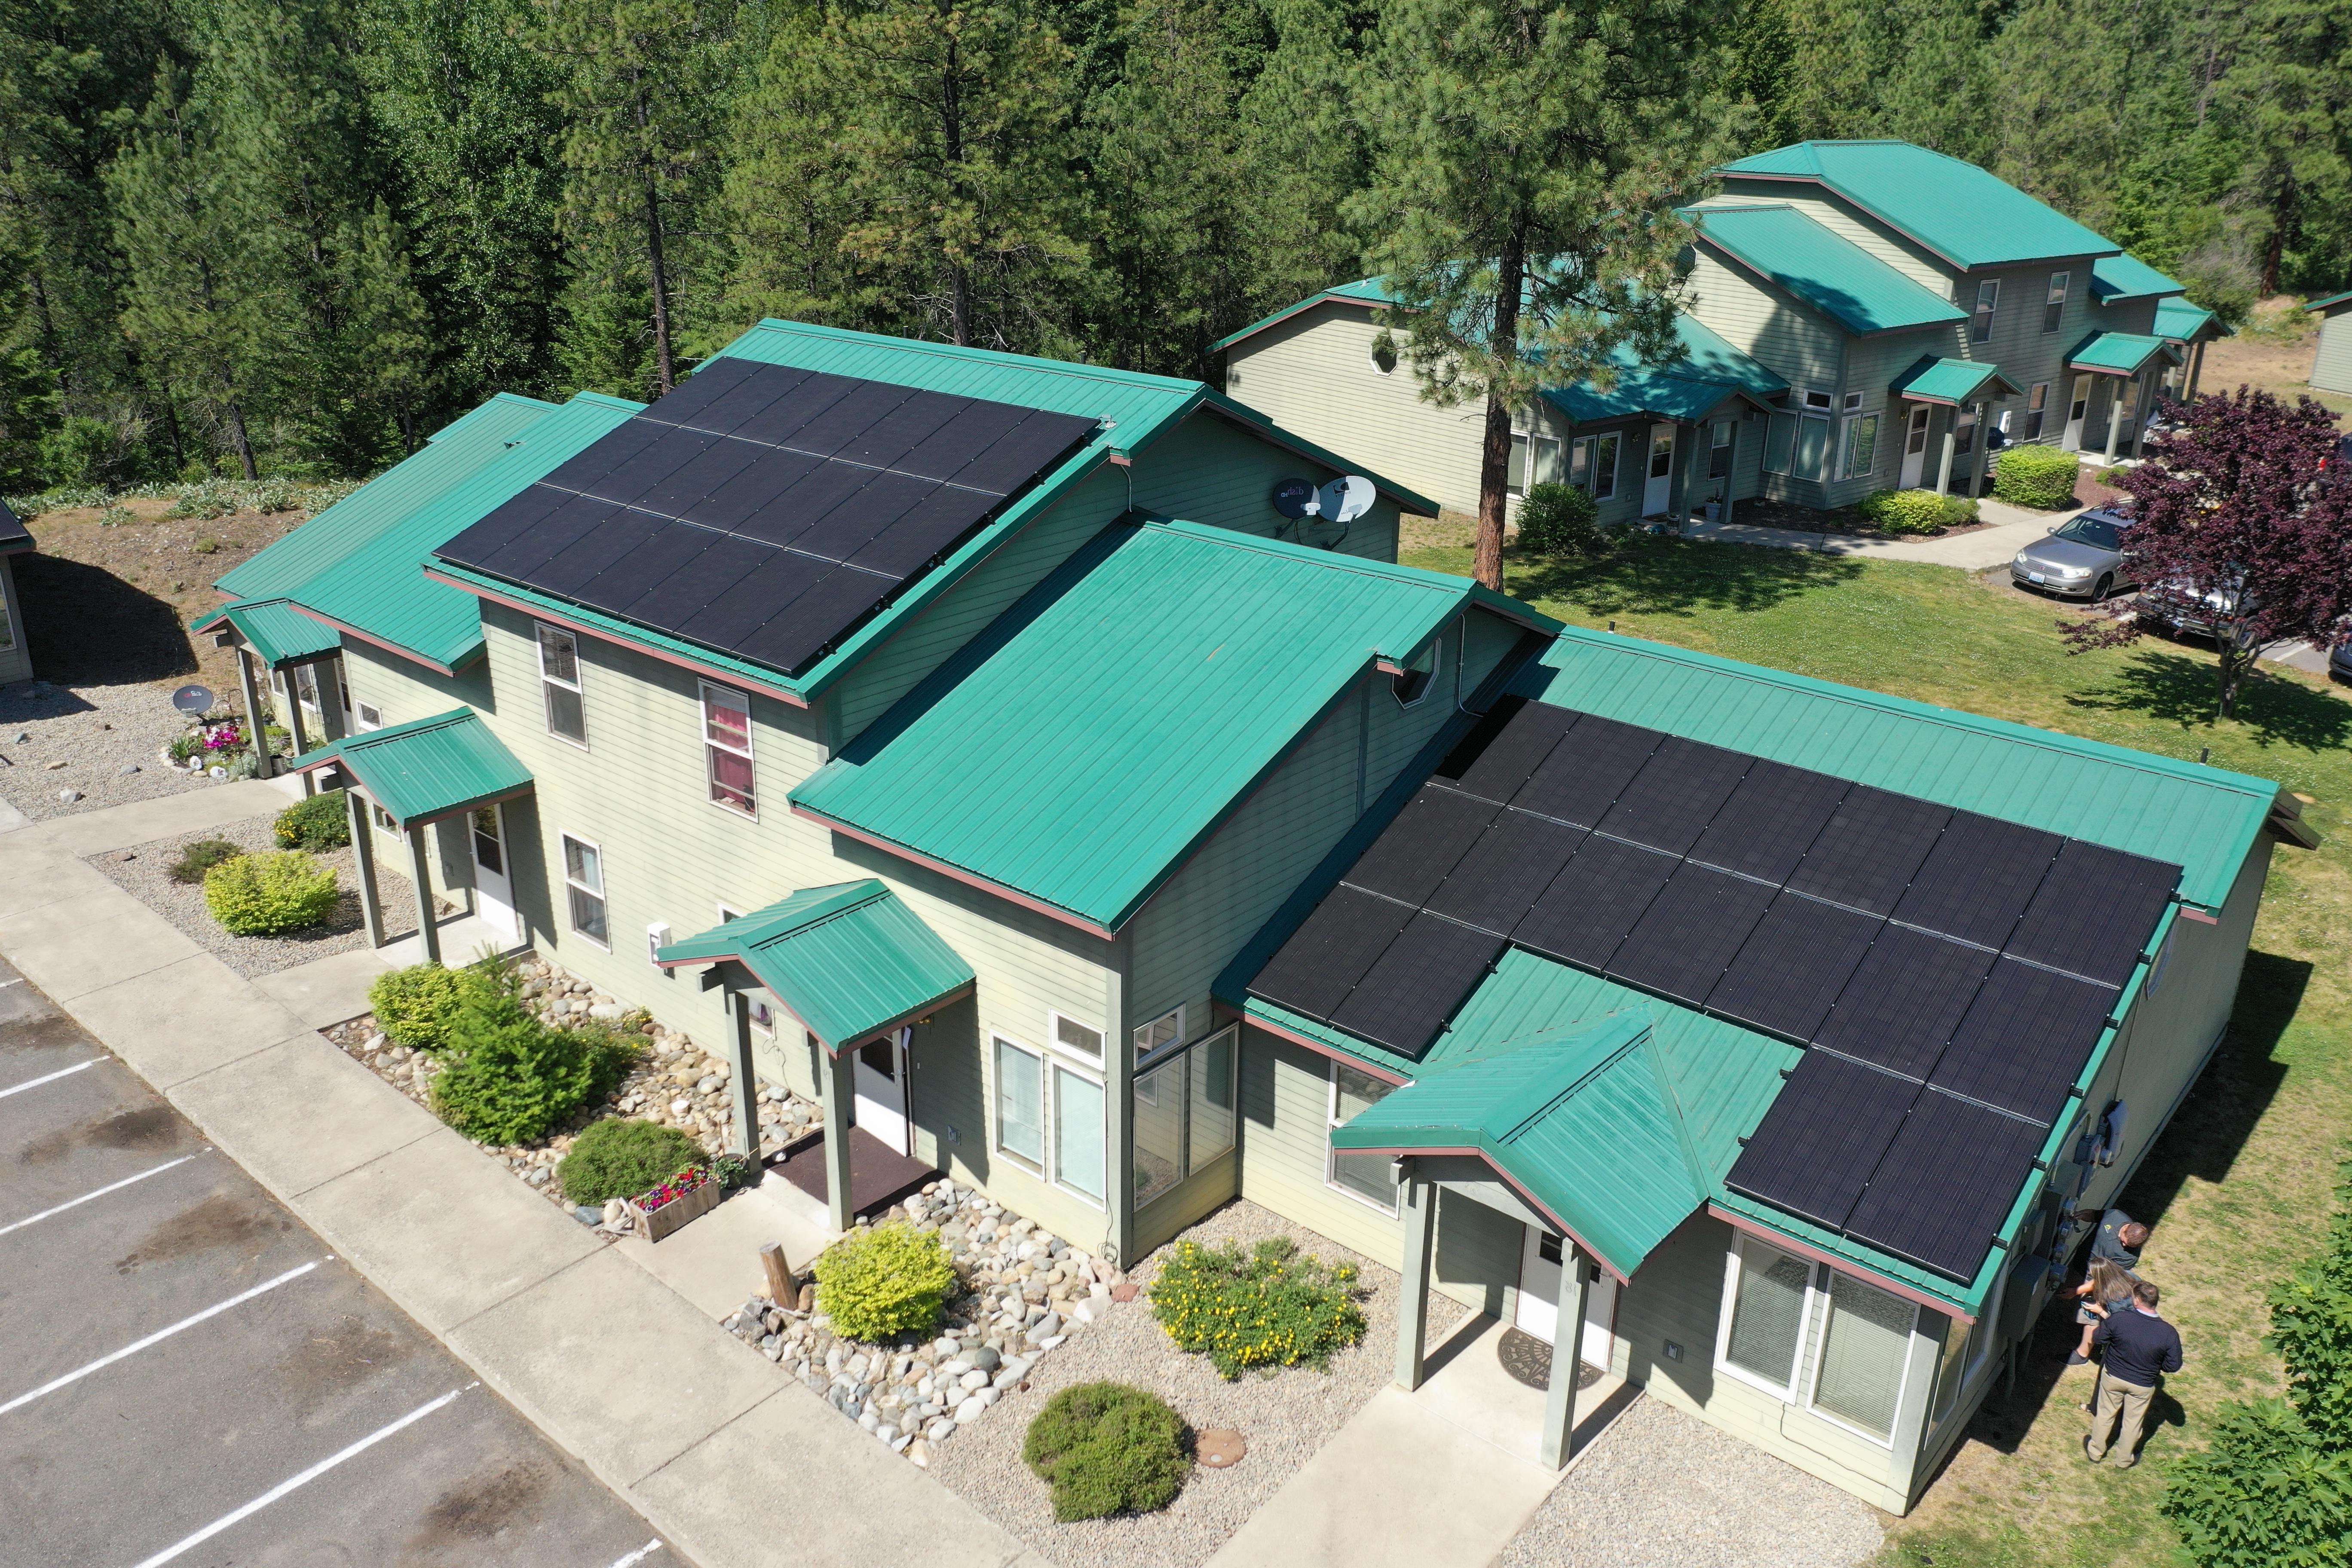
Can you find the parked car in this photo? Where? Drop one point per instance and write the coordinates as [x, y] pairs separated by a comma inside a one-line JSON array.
[[2086, 557], [2339, 661], [2176, 607]]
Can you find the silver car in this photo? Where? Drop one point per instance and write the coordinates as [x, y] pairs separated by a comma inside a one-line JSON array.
[[2087, 557]]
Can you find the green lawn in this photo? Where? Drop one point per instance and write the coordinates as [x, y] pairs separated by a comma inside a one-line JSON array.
[[2239, 1187]]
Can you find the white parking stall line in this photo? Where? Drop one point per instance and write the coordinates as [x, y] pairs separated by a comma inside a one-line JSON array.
[[135, 1346], [639, 1556], [76, 1203], [291, 1482], [5, 984], [46, 1077]]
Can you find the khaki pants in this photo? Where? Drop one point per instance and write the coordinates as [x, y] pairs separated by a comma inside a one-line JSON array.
[[2129, 1398]]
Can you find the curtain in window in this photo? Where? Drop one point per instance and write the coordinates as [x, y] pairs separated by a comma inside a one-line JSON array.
[[1020, 1103], [1863, 1351], [1078, 1134], [1768, 1313]]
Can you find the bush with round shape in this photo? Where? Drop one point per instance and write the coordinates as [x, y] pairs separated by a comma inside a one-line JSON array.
[[1907, 512], [417, 1007], [1266, 1306], [201, 857], [261, 895], [878, 1284], [316, 824], [509, 1078], [1557, 519], [2039, 476], [619, 1159], [1107, 1449]]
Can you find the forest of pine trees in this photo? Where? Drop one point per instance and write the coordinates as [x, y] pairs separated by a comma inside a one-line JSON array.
[[296, 237]]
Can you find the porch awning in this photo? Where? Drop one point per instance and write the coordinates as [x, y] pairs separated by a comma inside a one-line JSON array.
[[1580, 1121], [1950, 382], [277, 632], [848, 960], [2182, 322], [2120, 354], [427, 769]]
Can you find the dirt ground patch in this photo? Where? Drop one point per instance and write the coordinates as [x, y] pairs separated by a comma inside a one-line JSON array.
[[2280, 365]]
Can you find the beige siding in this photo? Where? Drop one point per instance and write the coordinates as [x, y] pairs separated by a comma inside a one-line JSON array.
[[1789, 339], [2331, 358], [1907, 257], [16, 651], [400, 690], [1208, 469]]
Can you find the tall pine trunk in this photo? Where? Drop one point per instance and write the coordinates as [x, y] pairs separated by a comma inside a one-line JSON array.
[[237, 439], [951, 143], [1495, 455], [656, 271]]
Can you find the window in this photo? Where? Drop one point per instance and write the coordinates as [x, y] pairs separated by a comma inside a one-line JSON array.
[[1592, 465], [2080, 404], [1779, 440], [1852, 403], [7, 625], [1162, 1032], [758, 1004], [1951, 1367], [1411, 684], [489, 852], [1078, 1133], [727, 745], [558, 677], [2037, 404], [1364, 1176], [1210, 1103], [1183, 1105], [1662, 452], [1765, 1329], [1720, 450], [2053, 308], [1546, 451], [1159, 1131], [583, 882], [1865, 1345], [1384, 355], [369, 716], [1812, 443], [1020, 1103], [384, 819], [2095, 531], [1820, 400], [1075, 1038], [1964, 429], [1860, 454], [1988, 295]]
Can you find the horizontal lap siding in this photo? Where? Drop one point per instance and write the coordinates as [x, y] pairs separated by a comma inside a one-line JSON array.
[[1789, 339], [2331, 359], [401, 690], [16, 661], [1208, 470]]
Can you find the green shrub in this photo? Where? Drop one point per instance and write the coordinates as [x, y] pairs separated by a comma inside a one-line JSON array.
[[1915, 511], [509, 1078], [618, 1159], [316, 824], [1107, 1449], [1267, 1307], [2262, 1494], [418, 1005], [2040, 476], [259, 895], [880, 1283], [200, 857], [1559, 520]]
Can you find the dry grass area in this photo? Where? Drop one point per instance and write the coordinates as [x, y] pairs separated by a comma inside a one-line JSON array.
[[2273, 362]]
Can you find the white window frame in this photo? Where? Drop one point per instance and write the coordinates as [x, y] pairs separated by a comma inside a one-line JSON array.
[[367, 716], [1436, 649], [1372, 358], [1054, 1021], [2037, 410], [1980, 319], [1036, 1167], [599, 892], [384, 820], [577, 685], [1144, 1052], [1331, 1120], [761, 1003], [1583, 459], [2054, 305], [1851, 405], [1817, 1303], [1847, 429], [1058, 1062], [1723, 437], [7, 622], [1816, 400], [1180, 1060], [707, 689], [1732, 1262]]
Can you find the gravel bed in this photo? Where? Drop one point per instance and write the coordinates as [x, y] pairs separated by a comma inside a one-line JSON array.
[[146, 872], [95, 732], [1660, 1489], [1283, 1418]]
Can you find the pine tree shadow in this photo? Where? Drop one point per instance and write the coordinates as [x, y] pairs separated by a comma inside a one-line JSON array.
[[1657, 576], [2179, 689]]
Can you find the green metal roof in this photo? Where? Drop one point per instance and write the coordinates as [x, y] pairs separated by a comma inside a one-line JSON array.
[[1823, 269], [1072, 755], [2330, 301], [1704, 371], [1362, 291], [2118, 277], [357, 564], [277, 632], [1957, 210], [428, 768], [1949, 381], [848, 960], [2200, 818], [14, 535], [2183, 322], [2120, 354]]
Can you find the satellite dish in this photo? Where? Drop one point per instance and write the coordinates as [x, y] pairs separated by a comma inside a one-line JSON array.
[[1293, 497], [1345, 498], [193, 700]]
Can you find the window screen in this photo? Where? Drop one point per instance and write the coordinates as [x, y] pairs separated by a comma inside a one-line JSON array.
[[1078, 1134], [727, 746], [1768, 1313], [1864, 1347], [1020, 1103]]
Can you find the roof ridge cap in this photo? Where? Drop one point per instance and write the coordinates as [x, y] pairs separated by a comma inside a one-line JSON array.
[[1071, 368]]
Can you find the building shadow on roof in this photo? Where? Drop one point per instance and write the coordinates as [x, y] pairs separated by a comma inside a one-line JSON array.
[[2181, 688], [1658, 576], [88, 627]]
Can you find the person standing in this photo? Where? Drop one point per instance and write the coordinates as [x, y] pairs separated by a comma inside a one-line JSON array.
[[2115, 1255], [2141, 1347]]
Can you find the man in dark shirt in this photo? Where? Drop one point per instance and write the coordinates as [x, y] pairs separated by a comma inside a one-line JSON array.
[[2119, 1240], [2141, 1347]]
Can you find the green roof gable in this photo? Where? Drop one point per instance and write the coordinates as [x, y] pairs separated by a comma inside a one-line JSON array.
[[1042, 759], [426, 769], [2330, 303], [1703, 373], [2119, 278], [277, 632], [1969, 217], [1949, 381], [1822, 269], [2120, 354], [2183, 322]]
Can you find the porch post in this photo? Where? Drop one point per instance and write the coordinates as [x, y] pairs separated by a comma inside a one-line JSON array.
[[2196, 368], [420, 866], [2139, 423], [2114, 418], [363, 851], [1119, 1096], [1566, 1345], [743, 1090], [1951, 442], [262, 761], [1983, 449], [838, 1073], [1693, 474], [1417, 1217], [294, 728]]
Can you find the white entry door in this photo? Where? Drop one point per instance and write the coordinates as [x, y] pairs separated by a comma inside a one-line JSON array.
[[1915, 446], [880, 1089], [1659, 486], [493, 885], [1538, 1313], [2077, 407]]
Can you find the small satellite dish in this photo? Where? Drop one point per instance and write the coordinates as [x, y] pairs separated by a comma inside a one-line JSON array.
[[1293, 497], [1345, 498], [193, 700]]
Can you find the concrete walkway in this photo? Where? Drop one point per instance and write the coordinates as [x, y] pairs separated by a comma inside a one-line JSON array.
[[2012, 528], [734, 1463]]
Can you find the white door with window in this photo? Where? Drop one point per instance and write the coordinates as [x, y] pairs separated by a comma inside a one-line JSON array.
[[1915, 446], [1659, 487], [879, 1089], [2078, 405], [493, 885], [1538, 1310]]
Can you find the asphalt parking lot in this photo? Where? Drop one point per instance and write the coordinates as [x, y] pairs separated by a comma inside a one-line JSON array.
[[192, 1377]]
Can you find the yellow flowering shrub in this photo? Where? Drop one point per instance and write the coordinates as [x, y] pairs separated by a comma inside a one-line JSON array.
[[1266, 1306]]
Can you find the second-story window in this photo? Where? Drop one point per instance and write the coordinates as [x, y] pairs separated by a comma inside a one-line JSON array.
[[1988, 295], [2054, 308], [558, 679], [727, 745]]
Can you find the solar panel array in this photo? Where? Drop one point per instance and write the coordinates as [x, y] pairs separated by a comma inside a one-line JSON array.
[[1950, 972], [766, 510]]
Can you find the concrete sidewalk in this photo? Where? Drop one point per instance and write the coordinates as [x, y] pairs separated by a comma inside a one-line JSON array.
[[736, 1464], [2012, 528]]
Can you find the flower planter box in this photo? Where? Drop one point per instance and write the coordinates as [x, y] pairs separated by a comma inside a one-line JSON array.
[[691, 1205]]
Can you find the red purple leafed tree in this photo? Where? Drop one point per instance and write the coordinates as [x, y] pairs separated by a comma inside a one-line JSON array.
[[2230, 519]]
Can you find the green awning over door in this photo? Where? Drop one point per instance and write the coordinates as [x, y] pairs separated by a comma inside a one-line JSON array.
[[277, 632], [428, 768]]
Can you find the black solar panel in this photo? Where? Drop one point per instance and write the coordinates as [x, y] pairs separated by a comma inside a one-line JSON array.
[[2095, 911], [846, 489], [1507, 871], [2025, 1039], [1585, 774], [1690, 932], [1865, 856], [1769, 821], [1595, 901], [1793, 965], [1817, 1145], [1413, 853], [1945, 1183], [1500, 763], [1905, 1000], [1416, 984], [1675, 796], [1314, 971], [1977, 878]]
